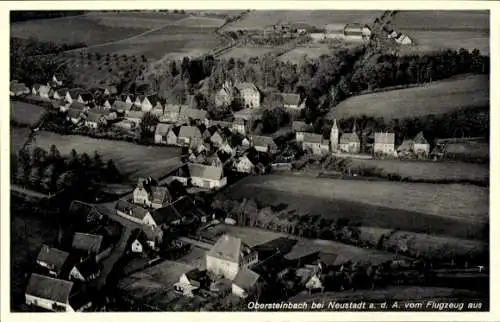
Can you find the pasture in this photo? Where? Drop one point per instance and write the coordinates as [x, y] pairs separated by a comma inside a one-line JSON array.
[[438, 29], [131, 159], [25, 113], [418, 170], [245, 53], [296, 55], [450, 210], [139, 20], [18, 137], [74, 29], [463, 92], [259, 19]]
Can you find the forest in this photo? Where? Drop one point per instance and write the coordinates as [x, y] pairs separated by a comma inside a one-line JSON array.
[[18, 15]]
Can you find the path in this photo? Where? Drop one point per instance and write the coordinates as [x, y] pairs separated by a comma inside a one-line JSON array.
[[110, 261], [28, 192]]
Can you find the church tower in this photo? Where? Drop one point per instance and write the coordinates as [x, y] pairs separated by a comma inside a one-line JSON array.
[[334, 137]]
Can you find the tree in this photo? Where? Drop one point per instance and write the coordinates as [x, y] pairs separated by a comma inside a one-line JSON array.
[[111, 173], [66, 180], [148, 122], [48, 178], [39, 156], [54, 154], [35, 176]]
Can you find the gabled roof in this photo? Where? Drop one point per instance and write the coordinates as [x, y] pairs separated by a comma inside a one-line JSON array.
[[94, 117], [299, 126], [153, 99], [242, 86], [43, 89], [406, 145], [171, 108], [75, 92], [349, 138], [87, 242], [384, 138], [420, 139], [189, 132], [205, 171], [166, 215], [111, 89], [131, 209], [162, 129], [49, 288], [160, 194], [135, 114], [228, 248], [313, 138], [259, 140], [192, 113], [61, 91], [290, 99], [74, 113], [88, 267], [17, 87], [246, 278], [121, 105], [53, 256], [77, 105]]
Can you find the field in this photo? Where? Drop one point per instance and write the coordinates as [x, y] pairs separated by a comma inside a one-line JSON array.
[[140, 20], [429, 170], [436, 29], [451, 210], [245, 53], [74, 29], [255, 236], [439, 97], [25, 113], [262, 18], [18, 137], [131, 159], [312, 52]]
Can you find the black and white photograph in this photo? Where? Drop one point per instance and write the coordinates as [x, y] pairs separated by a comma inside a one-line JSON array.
[[248, 160]]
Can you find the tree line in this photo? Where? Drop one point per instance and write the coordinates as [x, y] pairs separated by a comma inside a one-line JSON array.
[[19, 15]]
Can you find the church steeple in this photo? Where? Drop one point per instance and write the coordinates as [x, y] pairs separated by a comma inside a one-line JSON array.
[[334, 136], [354, 127]]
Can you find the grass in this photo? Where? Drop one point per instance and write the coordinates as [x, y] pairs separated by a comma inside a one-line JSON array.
[[466, 91], [70, 30], [140, 20], [312, 52], [25, 113], [261, 18], [432, 30], [418, 170], [131, 159], [450, 210], [255, 236], [18, 137], [245, 53]]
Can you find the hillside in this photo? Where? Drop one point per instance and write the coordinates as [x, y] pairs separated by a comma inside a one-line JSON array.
[[462, 92]]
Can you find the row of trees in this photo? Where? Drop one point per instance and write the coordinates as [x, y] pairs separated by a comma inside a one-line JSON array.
[[51, 172]]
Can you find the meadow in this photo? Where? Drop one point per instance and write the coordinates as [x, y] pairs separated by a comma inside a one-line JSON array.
[[312, 51], [461, 92], [437, 29], [245, 53], [25, 114], [18, 137], [131, 159], [459, 211], [261, 18], [419, 170]]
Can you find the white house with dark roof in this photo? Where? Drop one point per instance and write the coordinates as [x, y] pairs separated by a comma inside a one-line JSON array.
[[42, 91], [87, 243], [149, 195], [247, 94], [349, 142], [205, 176], [161, 133], [263, 143], [384, 143], [228, 255], [421, 145], [224, 96], [134, 213], [293, 102], [315, 143], [74, 115], [49, 293], [93, 120], [243, 165], [52, 259]]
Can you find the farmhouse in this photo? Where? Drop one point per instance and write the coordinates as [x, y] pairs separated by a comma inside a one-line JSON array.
[[293, 102], [247, 94], [134, 213], [216, 139], [240, 126], [85, 98], [150, 195], [384, 143], [228, 255], [93, 120], [110, 90], [243, 165], [349, 142], [107, 103], [224, 97], [188, 134], [146, 103], [84, 213], [54, 294], [73, 94], [187, 114], [53, 260], [173, 136], [300, 128], [74, 115], [205, 176], [129, 99], [161, 132], [18, 89], [57, 79], [61, 94], [87, 244], [85, 271], [158, 109], [315, 143], [125, 125], [192, 281], [42, 91], [121, 106], [170, 113], [421, 145], [135, 116], [263, 143], [246, 284], [357, 32]]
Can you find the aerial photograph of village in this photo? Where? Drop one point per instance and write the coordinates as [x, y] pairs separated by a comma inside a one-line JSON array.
[[249, 160]]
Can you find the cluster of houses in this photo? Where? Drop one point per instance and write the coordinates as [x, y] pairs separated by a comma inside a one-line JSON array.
[[349, 142], [58, 280]]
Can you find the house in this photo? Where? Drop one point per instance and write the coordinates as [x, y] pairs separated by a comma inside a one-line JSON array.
[[139, 241], [125, 125], [216, 139], [228, 255], [300, 128], [314, 143], [110, 90], [129, 99], [78, 106], [85, 271], [42, 91], [406, 148], [52, 259], [158, 109], [247, 94], [263, 143], [243, 165], [227, 148], [170, 113], [87, 243], [214, 161], [240, 126], [384, 143], [73, 94], [293, 102], [168, 215], [85, 98], [192, 281], [57, 79], [205, 176], [187, 134], [18, 89], [121, 106], [150, 195], [61, 93], [53, 294], [349, 142], [161, 132], [134, 213], [146, 103], [246, 284], [224, 97], [108, 103], [421, 145], [74, 115], [356, 32], [84, 213], [135, 116], [187, 114], [173, 136], [310, 277], [94, 120]]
